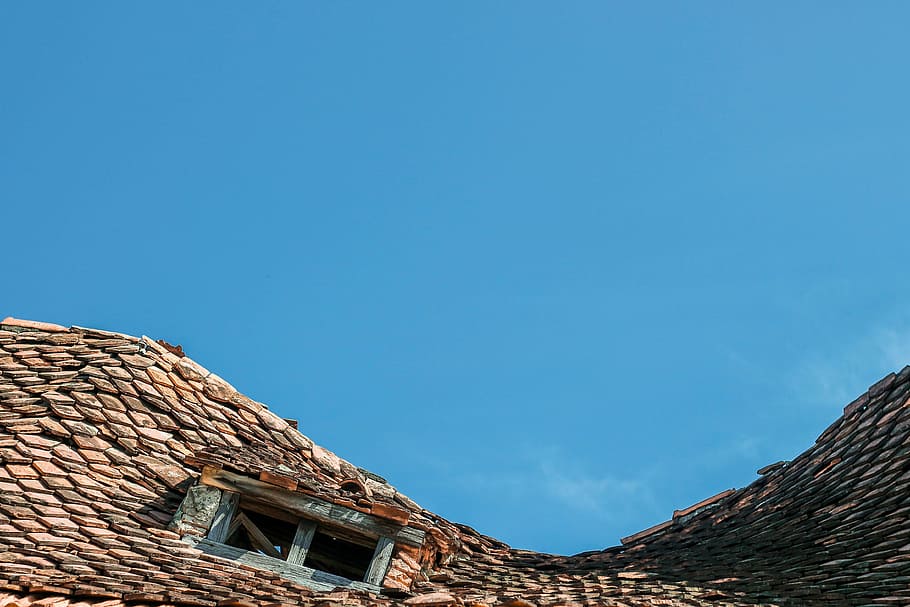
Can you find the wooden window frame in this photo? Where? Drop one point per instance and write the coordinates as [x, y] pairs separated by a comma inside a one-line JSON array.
[[309, 512]]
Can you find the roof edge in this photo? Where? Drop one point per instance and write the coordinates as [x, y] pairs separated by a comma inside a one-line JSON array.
[[19, 324]]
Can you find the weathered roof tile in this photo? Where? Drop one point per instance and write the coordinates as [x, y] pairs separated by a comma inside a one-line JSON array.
[[99, 433]]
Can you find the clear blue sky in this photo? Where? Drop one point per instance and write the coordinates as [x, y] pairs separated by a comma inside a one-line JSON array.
[[553, 269]]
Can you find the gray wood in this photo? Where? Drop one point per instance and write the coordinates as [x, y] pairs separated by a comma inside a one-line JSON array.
[[312, 507], [380, 563], [232, 528], [302, 540], [317, 580], [222, 521], [258, 538]]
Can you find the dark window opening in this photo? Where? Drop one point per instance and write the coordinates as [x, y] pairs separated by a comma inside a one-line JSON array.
[[332, 553], [260, 533], [256, 529]]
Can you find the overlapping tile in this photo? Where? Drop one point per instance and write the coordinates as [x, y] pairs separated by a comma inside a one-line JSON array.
[[102, 433]]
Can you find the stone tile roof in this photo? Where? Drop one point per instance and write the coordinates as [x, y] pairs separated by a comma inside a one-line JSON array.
[[101, 434]]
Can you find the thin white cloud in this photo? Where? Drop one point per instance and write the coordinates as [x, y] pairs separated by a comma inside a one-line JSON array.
[[598, 494], [569, 482], [837, 378], [737, 448], [550, 474], [894, 347]]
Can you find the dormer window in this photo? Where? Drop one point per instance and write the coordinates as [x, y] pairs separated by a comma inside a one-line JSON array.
[[257, 532], [303, 538], [335, 551], [256, 527]]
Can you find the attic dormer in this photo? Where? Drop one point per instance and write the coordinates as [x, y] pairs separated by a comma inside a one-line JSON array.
[[268, 521]]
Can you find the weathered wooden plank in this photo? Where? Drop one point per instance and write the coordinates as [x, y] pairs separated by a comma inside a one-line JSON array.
[[232, 528], [260, 507], [317, 580], [380, 563], [411, 536], [257, 537], [302, 540], [311, 507], [222, 521]]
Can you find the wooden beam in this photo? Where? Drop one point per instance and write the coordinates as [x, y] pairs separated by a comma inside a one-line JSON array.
[[232, 528], [311, 507], [259, 507], [222, 521], [380, 563], [302, 540], [257, 537], [317, 580]]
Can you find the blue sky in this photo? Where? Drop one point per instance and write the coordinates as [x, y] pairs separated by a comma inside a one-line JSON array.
[[553, 269]]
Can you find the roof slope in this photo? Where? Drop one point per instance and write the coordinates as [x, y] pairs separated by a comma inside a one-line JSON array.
[[101, 434]]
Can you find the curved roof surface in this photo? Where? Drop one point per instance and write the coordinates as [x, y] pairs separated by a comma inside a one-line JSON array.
[[102, 434]]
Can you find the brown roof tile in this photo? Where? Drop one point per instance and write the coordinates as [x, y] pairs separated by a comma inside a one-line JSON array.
[[101, 434]]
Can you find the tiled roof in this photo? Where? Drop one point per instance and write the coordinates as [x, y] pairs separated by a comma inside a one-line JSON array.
[[101, 435]]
